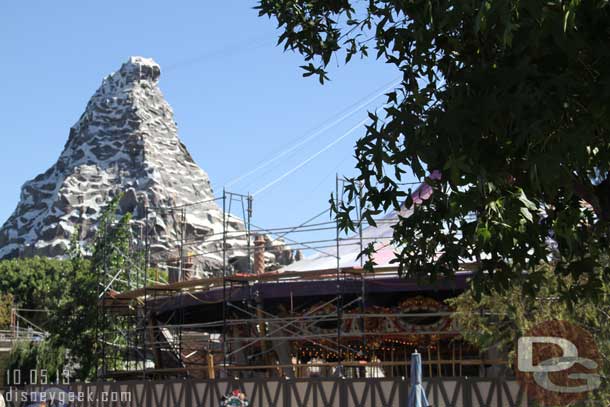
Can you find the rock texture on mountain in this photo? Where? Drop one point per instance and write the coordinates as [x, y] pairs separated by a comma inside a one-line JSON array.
[[126, 142]]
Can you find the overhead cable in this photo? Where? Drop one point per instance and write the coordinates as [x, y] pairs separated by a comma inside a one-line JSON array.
[[311, 158], [314, 134]]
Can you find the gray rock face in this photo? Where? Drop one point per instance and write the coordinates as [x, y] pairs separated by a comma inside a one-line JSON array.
[[127, 142]]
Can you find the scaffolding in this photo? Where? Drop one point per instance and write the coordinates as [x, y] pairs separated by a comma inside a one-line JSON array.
[[146, 331]]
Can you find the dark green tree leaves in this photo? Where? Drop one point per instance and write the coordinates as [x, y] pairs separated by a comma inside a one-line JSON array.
[[508, 99]]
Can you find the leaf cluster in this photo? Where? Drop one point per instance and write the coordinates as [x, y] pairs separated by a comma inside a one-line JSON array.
[[496, 320], [508, 100], [69, 291]]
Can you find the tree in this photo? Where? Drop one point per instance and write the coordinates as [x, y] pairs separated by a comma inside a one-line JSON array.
[[68, 290], [27, 357], [507, 100], [34, 283], [76, 321], [40, 284], [6, 305], [72, 323], [496, 320]]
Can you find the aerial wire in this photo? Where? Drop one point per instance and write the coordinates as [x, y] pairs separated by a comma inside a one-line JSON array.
[[311, 158], [316, 133], [225, 50]]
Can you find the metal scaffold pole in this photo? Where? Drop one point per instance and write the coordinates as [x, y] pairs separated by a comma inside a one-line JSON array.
[[182, 278], [224, 277], [145, 278], [99, 333], [339, 291], [249, 233], [181, 248], [104, 339], [363, 274]]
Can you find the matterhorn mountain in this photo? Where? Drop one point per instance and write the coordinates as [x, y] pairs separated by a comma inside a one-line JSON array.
[[126, 142]]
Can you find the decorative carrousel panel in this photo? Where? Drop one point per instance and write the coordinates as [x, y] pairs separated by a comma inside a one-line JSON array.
[[415, 322], [428, 316]]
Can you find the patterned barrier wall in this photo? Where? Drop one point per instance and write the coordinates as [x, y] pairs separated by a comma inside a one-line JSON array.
[[323, 392]]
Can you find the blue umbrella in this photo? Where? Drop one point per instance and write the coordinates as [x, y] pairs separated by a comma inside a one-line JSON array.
[[417, 394]]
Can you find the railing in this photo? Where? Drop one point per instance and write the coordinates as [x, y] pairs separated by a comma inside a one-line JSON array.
[[10, 337]]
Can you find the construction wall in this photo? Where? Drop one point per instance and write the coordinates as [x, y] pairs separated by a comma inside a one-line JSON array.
[[442, 392]]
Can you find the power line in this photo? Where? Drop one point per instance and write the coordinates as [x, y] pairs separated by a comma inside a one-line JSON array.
[[226, 50], [311, 158], [315, 134]]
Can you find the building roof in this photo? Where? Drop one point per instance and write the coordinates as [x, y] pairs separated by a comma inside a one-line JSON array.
[[380, 235]]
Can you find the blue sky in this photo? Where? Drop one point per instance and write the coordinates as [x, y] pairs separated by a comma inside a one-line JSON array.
[[237, 98]]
